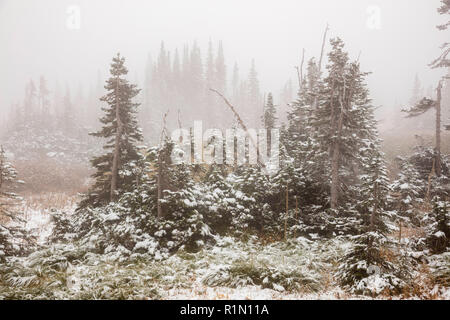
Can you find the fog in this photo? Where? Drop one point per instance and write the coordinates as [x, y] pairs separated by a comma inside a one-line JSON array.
[[36, 39]]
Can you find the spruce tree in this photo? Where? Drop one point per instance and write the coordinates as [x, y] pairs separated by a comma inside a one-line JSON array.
[[44, 101], [254, 96], [269, 120], [269, 117], [68, 115], [438, 231], [443, 60], [114, 174], [342, 121], [12, 233]]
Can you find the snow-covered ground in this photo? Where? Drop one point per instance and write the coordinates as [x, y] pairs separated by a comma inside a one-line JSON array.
[[230, 269], [37, 211]]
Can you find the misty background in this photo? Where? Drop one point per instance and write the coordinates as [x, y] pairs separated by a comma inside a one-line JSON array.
[[396, 43], [36, 40]]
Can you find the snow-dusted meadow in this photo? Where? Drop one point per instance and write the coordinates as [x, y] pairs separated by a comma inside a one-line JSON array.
[[296, 269]]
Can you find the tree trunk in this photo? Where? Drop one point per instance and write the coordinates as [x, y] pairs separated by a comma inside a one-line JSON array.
[[1, 167], [438, 130], [320, 66], [116, 156], [373, 216], [287, 211], [335, 161], [159, 182]]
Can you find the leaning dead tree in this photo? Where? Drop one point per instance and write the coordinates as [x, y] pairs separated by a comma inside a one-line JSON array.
[[422, 107], [242, 124], [324, 40], [339, 126]]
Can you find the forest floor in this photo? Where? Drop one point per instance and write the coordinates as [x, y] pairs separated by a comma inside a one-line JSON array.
[[230, 269]]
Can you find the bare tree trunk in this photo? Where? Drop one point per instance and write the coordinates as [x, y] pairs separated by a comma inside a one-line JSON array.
[[316, 98], [375, 208], [116, 156], [438, 129], [159, 180], [373, 217], [159, 185], [1, 167], [300, 72], [296, 216], [287, 211]]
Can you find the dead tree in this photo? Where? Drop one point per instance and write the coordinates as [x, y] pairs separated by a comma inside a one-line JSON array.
[[160, 177], [242, 124], [322, 51], [300, 72], [423, 106]]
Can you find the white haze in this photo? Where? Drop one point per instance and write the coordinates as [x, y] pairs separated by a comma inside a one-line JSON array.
[[34, 39]]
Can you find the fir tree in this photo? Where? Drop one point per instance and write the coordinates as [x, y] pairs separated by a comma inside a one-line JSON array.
[[342, 120], [442, 60], [438, 239], [254, 95], [44, 102], [114, 174], [30, 100], [69, 114], [12, 233], [269, 120]]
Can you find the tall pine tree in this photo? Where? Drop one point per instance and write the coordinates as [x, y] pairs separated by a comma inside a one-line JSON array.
[[120, 129]]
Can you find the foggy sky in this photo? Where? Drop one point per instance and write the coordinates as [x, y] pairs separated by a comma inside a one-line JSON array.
[[35, 40]]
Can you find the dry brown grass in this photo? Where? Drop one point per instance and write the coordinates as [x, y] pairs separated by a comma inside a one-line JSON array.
[[422, 285], [52, 176], [50, 200]]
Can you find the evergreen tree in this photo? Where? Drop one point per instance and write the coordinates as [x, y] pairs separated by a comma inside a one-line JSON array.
[[269, 120], [176, 80], [30, 100], [114, 174], [438, 238], [417, 91], [221, 70], [408, 190], [147, 92], [196, 77], [235, 84], [269, 117], [12, 233], [442, 61], [210, 78], [342, 119], [69, 115], [44, 101], [254, 104]]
